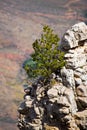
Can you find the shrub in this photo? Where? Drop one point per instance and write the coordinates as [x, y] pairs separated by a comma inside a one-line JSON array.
[[47, 57]]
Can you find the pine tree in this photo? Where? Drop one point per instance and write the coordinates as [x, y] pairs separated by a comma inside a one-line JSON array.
[[47, 56]]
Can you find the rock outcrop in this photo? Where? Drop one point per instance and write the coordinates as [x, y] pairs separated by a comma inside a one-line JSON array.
[[74, 36], [60, 105]]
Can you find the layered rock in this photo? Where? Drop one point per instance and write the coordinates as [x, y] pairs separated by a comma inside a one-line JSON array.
[[60, 105], [74, 36]]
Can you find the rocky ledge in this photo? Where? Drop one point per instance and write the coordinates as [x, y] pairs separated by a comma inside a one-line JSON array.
[[60, 105]]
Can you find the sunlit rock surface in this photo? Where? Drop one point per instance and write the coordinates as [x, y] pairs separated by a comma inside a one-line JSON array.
[[62, 105]]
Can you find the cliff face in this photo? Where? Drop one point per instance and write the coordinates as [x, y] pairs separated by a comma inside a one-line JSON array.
[[62, 105]]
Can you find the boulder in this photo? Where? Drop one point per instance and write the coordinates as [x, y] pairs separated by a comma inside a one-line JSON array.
[[73, 37]]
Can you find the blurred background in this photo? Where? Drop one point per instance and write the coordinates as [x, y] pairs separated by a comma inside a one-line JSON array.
[[21, 22]]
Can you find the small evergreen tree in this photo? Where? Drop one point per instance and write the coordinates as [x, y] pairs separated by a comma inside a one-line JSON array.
[[47, 56]]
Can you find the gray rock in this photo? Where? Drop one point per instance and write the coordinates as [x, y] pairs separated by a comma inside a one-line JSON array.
[[80, 75], [29, 101], [68, 77], [53, 75], [82, 96], [64, 110], [65, 98], [83, 77], [27, 97], [80, 70], [82, 101], [78, 81], [52, 93], [74, 36], [39, 111], [29, 104], [75, 60], [85, 68], [85, 83], [81, 119], [22, 109], [36, 125], [81, 91], [69, 94], [77, 74], [59, 79]]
